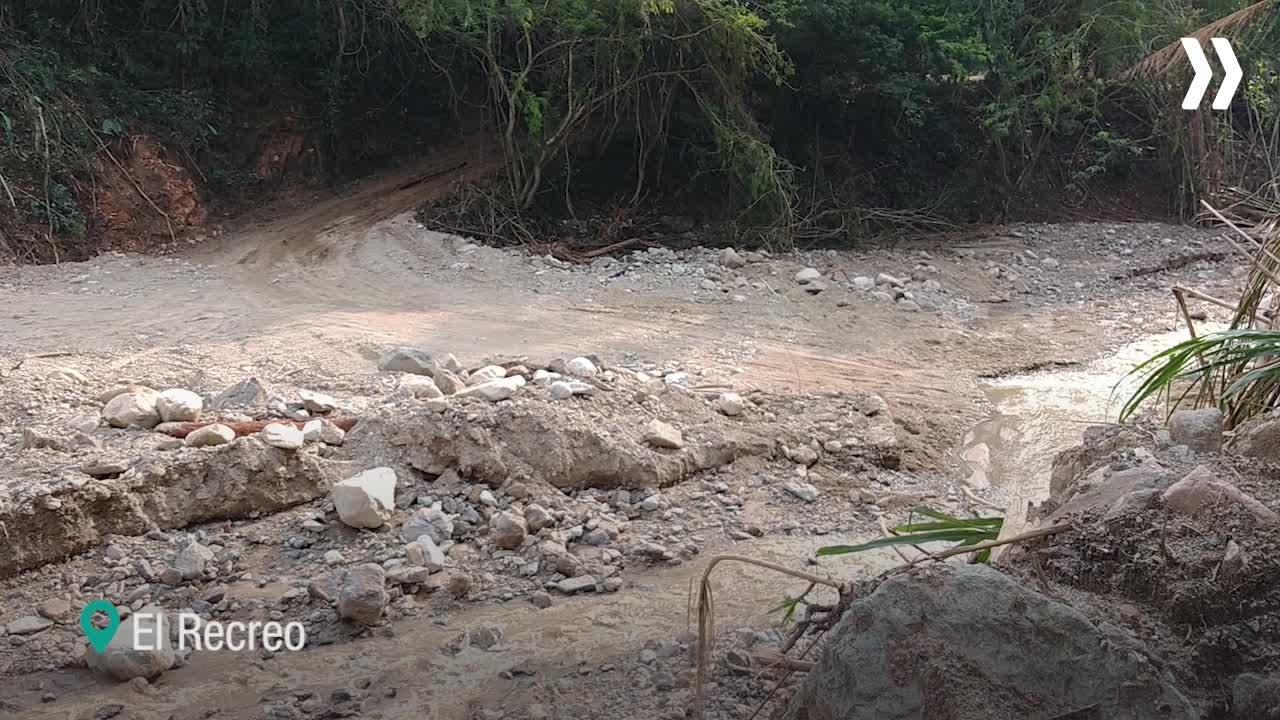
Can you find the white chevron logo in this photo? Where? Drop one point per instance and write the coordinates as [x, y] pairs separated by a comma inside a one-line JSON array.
[[1204, 73]]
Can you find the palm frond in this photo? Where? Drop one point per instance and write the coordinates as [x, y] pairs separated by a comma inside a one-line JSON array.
[[1171, 57]]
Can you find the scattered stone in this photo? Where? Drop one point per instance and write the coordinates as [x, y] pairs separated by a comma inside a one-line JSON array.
[[730, 404], [803, 490], [709, 285], [136, 407], [29, 625], [540, 600], [191, 560], [486, 373], [573, 585], [581, 367], [1200, 430], [55, 609], [448, 382], [362, 596], [104, 468], [494, 390], [509, 530], [1235, 561], [537, 518], [317, 402], [280, 435], [420, 386], [863, 283], [122, 661], [366, 500], [807, 275], [1049, 263], [333, 557], [331, 434], [891, 281], [1259, 439], [311, 431], [459, 585], [179, 405], [802, 454], [407, 360], [662, 435], [408, 575], [731, 259], [431, 522], [210, 436], [1200, 488], [246, 393], [425, 553], [813, 287]]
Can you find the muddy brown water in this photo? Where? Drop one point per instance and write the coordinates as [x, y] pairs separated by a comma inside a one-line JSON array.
[[1038, 415]]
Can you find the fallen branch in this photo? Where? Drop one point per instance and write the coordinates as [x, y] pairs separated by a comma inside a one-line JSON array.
[[778, 660], [181, 430]]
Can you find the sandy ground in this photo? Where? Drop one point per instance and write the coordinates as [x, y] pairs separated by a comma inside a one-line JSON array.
[[332, 284]]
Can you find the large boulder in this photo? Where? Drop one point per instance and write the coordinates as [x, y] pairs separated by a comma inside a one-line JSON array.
[[179, 405], [1260, 440], [123, 661], [135, 407], [408, 360], [966, 641], [1200, 430], [366, 500]]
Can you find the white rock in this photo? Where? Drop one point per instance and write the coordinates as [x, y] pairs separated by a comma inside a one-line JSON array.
[[311, 430], [421, 386], [862, 282], [333, 557], [366, 500], [660, 434], [423, 552], [676, 378], [560, 390], [191, 560], [121, 661], [427, 522], [542, 377], [802, 490], [731, 259], [494, 390], [887, 279], [486, 373], [581, 367], [280, 435], [807, 275], [211, 435], [179, 405], [487, 498], [317, 402], [135, 407], [730, 404]]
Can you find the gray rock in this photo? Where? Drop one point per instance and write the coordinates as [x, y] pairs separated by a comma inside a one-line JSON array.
[[581, 367], [509, 530], [540, 600], [1200, 430], [494, 390], [731, 259], [582, 583], [889, 280], [122, 661], [448, 382], [662, 435], [55, 609], [956, 636], [425, 553], [246, 393], [537, 518], [408, 575], [431, 522], [362, 596], [1259, 439], [730, 404], [408, 360], [1254, 697], [191, 561], [331, 434], [807, 275], [863, 283], [179, 405], [420, 386], [29, 625], [803, 490]]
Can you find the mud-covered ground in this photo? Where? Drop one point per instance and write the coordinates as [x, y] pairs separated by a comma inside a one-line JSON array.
[[310, 300]]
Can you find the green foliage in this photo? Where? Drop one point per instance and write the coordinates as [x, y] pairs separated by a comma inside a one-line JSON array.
[[944, 528], [1238, 370]]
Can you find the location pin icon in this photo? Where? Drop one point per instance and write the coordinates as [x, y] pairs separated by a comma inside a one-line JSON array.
[[99, 638]]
